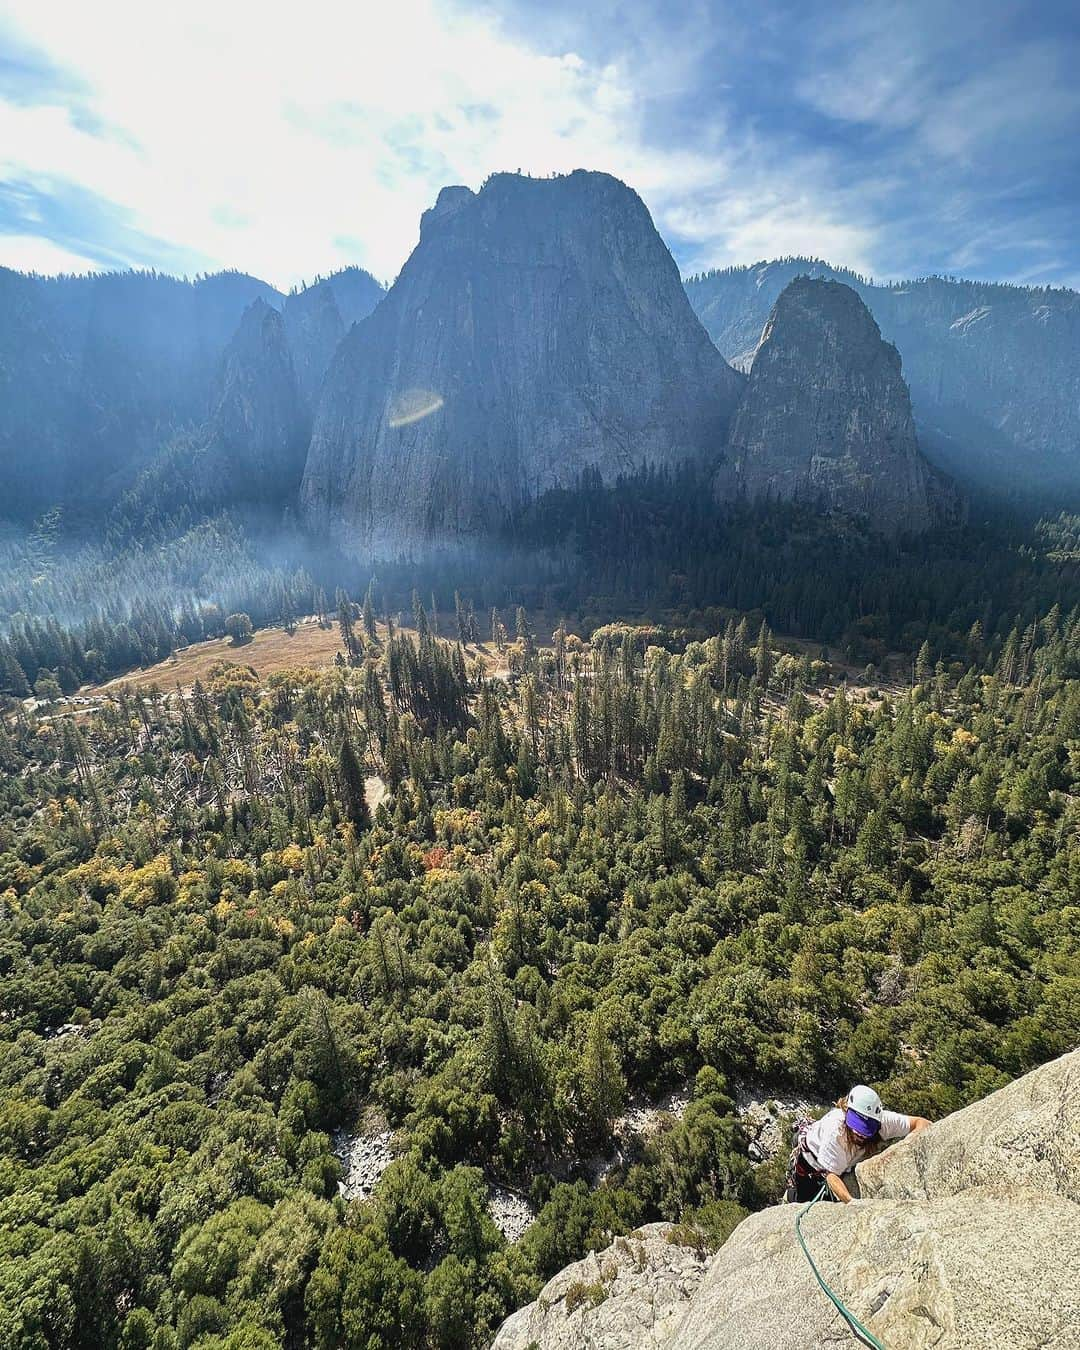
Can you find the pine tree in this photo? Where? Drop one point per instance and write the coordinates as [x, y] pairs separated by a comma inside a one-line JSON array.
[[12, 676], [351, 781], [923, 664], [603, 1088], [524, 632], [369, 610], [345, 622], [498, 1041], [420, 618], [764, 656]]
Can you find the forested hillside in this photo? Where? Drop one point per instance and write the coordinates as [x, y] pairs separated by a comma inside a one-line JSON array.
[[623, 866]]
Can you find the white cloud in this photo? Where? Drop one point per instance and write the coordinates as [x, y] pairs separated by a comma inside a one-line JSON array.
[[764, 215], [31, 253], [259, 134], [289, 140]]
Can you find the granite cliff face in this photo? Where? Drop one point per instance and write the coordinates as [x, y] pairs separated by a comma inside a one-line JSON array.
[[355, 292], [538, 329], [318, 317], [259, 425], [994, 370], [314, 327], [826, 418], [96, 370], [967, 1235]]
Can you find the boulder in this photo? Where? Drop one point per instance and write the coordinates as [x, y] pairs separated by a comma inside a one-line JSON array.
[[630, 1294]]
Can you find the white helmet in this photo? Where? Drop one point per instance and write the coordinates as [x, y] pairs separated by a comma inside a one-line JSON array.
[[863, 1114], [866, 1101]]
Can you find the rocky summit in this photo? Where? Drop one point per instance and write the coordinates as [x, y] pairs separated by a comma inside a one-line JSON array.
[[317, 318], [993, 368], [539, 329], [966, 1236], [826, 418]]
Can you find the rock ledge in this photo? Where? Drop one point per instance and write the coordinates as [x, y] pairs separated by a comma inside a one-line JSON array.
[[967, 1238]]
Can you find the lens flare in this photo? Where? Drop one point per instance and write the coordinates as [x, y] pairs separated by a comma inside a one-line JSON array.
[[413, 405]]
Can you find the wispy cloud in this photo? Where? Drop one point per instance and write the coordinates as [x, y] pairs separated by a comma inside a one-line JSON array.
[[976, 111], [291, 140], [36, 253], [89, 230]]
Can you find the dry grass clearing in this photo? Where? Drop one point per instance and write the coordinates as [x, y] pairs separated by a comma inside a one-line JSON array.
[[270, 649], [273, 649]]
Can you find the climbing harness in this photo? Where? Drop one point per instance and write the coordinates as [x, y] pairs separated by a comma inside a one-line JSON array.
[[849, 1317], [799, 1170]]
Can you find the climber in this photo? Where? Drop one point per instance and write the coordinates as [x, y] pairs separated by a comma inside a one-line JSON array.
[[854, 1129]]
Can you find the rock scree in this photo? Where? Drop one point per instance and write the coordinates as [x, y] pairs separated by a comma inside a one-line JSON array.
[[512, 1213], [967, 1237], [364, 1157]]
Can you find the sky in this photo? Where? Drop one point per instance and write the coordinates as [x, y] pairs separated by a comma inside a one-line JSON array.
[[897, 137]]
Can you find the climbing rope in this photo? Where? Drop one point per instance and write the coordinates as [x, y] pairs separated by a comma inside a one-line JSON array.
[[867, 1338]]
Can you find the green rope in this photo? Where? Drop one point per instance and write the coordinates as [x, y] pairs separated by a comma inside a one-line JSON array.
[[849, 1317]]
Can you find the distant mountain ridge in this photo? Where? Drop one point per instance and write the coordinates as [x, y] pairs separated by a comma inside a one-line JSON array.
[[994, 369], [97, 371], [729, 301], [535, 333], [539, 330]]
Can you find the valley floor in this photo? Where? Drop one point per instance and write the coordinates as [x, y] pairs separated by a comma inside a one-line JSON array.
[[346, 1004]]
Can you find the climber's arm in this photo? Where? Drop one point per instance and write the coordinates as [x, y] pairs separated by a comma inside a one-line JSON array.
[[836, 1185], [895, 1125]]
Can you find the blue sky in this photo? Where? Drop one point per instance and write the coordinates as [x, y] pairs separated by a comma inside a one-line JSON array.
[[897, 138]]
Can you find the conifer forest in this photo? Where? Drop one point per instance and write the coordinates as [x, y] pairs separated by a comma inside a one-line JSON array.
[[475, 896]]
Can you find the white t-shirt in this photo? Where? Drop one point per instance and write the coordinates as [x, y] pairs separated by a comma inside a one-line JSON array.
[[827, 1141]]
